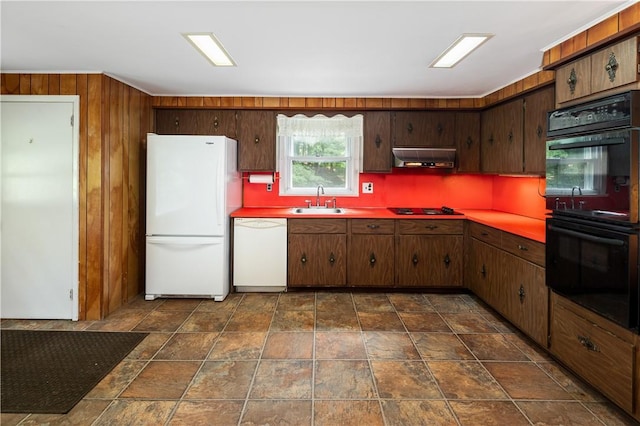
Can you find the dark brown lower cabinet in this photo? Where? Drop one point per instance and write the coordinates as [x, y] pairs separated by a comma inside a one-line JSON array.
[[429, 253], [317, 252], [371, 261]]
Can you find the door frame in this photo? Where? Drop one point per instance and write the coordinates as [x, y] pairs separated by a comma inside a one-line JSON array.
[[75, 100]]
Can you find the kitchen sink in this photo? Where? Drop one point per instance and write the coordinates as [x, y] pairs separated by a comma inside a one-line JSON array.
[[317, 210]]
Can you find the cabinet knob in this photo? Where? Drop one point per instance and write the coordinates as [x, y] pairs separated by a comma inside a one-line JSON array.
[[372, 259], [447, 260], [431, 227], [332, 259], [523, 248], [373, 226], [415, 259], [378, 141], [469, 142], [521, 293], [216, 123], [303, 259], [539, 131], [483, 271], [611, 67], [177, 123], [256, 140], [491, 139], [572, 80], [510, 136], [409, 127]]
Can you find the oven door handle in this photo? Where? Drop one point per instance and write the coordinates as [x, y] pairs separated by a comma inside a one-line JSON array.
[[588, 237]]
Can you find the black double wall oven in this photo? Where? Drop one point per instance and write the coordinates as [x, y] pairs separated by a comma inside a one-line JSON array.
[[592, 188]]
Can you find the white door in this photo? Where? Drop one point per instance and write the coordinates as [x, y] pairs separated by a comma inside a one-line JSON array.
[[39, 213], [185, 185]]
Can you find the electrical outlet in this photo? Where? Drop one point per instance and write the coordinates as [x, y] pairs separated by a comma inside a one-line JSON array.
[[269, 187], [367, 188]]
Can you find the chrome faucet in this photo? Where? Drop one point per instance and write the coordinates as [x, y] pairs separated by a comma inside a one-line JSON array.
[[573, 204], [320, 187]]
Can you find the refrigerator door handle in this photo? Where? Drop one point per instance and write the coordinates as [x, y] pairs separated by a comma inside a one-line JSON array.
[[184, 241], [221, 188]]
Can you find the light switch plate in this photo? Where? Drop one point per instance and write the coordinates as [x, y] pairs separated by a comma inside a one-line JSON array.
[[367, 187]]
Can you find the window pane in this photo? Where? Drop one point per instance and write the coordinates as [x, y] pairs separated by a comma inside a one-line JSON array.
[[309, 174], [319, 147]]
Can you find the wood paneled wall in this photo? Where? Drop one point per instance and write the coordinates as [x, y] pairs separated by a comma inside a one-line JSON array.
[[527, 84], [114, 120], [620, 25]]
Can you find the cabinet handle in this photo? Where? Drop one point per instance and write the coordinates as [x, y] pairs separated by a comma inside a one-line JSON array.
[[409, 127], [572, 80], [523, 248], [611, 67], [431, 227], [256, 140], [177, 122], [447, 260], [484, 234], [216, 123], [378, 141], [415, 259], [372, 259], [373, 226], [439, 128], [539, 131], [510, 136], [469, 141], [491, 139], [521, 293], [303, 259], [587, 343], [332, 259], [483, 271]]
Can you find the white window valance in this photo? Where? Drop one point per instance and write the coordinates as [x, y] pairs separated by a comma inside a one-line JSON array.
[[323, 126]]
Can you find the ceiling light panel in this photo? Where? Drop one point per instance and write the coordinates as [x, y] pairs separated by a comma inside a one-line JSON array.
[[463, 46], [211, 48]]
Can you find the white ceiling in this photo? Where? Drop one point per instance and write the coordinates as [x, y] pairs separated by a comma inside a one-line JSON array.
[[292, 48]]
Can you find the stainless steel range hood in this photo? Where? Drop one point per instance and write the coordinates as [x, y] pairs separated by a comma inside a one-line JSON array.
[[434, 158]]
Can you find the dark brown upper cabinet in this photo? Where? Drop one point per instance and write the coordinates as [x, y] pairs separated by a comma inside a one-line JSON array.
[[423, 128], [257, 140], [376, 150], [196, 122]]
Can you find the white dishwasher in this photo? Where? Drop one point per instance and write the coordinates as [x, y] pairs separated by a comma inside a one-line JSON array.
[[259, 254]]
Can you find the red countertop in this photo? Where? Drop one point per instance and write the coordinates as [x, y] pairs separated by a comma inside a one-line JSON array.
[[520, 225]]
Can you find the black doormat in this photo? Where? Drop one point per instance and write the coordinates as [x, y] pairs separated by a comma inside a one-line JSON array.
[[51, 371]]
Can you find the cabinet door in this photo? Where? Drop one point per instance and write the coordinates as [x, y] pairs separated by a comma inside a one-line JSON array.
[[509, 142], [377, 142], [423, 128], [483, 270], [614, 66], [257, 141], [371, 260], [317, 260], [536, 107], [468, 141], [573, 80], [489, 158], [196, 122], [528, 297], [429, 260]]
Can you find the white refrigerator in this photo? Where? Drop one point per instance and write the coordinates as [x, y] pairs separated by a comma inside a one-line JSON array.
[[192, 187]]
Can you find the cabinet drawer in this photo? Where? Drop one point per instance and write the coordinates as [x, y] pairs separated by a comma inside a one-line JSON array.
[[600, 357], [429, 226], [525, 248], [317, 226], [485, 233], [372, 226]]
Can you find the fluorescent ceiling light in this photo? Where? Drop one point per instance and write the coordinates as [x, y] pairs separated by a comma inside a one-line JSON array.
[[211, 48], [460, 48]]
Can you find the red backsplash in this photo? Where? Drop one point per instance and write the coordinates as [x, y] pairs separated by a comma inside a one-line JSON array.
[[421, 188]]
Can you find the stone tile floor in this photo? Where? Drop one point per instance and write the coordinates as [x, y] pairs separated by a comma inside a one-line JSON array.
[[323, 358]]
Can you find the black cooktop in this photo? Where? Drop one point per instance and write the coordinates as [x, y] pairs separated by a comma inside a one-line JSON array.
[[424, 211]]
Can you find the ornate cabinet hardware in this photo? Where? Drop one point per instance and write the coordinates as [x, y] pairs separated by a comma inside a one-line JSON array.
[[611, 67], [378, 141], [572, 80], [447, 260], [415, 259], [332, 258], [588, 344], [303, 259], [521, 293], [372, 259]]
